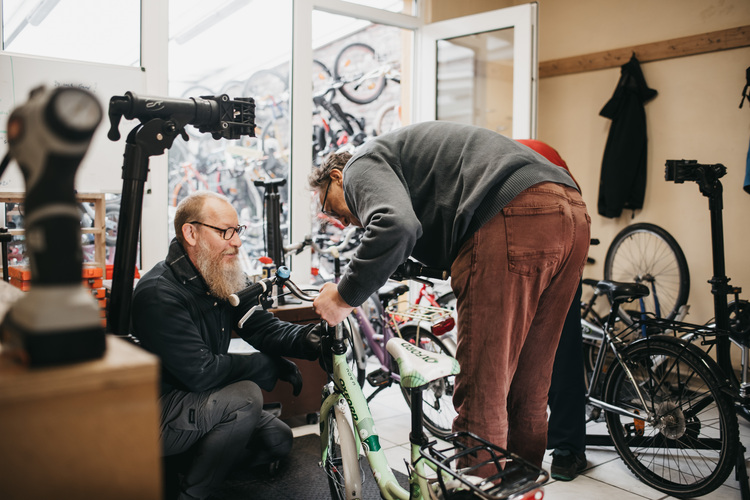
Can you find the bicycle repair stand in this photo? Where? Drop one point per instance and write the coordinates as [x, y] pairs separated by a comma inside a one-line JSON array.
[[707, 177], [5, 238], [274, 240], [161, 121]]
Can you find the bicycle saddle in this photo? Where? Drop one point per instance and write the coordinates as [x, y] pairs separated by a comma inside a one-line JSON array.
[[387, 295], [621, 292], [419, 367]]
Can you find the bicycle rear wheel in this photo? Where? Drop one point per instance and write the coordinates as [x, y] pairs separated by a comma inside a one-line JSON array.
[[352, 65], [646, 253], [691, 446], [438, 409], [342, 462]]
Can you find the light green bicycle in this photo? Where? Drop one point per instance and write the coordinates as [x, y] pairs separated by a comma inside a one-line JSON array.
[[436, 470]]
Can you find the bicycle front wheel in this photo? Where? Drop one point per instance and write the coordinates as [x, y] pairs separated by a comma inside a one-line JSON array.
[[690, 446], [438, 409], [648, 254], [342, 461]]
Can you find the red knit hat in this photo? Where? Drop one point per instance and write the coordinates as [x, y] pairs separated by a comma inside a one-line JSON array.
[[545, 150]]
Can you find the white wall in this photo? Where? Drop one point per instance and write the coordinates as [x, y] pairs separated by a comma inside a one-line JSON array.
[[695, 116]]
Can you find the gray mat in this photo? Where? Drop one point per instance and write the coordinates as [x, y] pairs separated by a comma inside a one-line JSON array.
[[299, 477]]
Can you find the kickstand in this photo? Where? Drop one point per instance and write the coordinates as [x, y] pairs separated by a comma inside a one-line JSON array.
[[741, 474]]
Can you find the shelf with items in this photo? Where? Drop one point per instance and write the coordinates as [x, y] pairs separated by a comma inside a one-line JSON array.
[[93, 209]]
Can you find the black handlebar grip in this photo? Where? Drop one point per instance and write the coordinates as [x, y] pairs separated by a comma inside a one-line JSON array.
[[433, 272], [251, 293], [413, 270]]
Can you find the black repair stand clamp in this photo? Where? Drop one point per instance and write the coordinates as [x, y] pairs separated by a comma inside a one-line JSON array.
[[162, 119], [274, 240]]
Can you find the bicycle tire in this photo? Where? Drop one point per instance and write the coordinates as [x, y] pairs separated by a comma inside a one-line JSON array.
[[388, 118], [438, 409], [112, 219], [322, 80], [233, 88], [275, 137], [268, 88], [646, 253], [342, 462], [352, 63], [447, 300], [685, 391]]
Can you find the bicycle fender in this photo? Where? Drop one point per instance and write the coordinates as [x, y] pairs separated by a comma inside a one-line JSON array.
[[327, 406]]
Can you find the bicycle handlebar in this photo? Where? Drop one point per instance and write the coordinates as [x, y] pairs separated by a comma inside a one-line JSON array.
[[411, 270], [252, 293], [333, 250]]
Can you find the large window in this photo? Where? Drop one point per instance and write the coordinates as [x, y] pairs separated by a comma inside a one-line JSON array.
[[241, 48], [357, 95], [244, 48], [100, 31]]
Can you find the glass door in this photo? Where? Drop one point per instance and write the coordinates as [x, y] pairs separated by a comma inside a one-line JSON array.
[[481, 70]]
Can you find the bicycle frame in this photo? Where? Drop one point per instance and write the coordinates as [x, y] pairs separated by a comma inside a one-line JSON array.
[[609, 341], [347, 389]]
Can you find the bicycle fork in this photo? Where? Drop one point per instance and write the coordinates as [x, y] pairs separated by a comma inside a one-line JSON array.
[[346, 388]]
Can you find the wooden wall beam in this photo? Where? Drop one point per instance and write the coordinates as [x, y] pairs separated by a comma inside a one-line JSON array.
[[677, 47]]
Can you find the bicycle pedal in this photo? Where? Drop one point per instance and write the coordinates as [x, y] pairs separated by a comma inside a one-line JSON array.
[[379, 378]]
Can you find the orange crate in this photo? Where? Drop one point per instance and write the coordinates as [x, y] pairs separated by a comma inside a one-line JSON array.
[[22, 273]]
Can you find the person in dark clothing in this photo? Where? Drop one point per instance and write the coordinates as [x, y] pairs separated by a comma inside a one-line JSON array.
[[566, 432], [211, 400], [510, 226]]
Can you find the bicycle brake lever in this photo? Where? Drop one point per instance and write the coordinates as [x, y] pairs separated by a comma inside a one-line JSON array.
[[247, 315]]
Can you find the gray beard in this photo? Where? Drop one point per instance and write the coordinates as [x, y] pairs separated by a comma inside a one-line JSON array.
[[223, 279]]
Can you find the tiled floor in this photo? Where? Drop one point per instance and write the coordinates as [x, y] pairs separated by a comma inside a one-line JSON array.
[[606, 478]]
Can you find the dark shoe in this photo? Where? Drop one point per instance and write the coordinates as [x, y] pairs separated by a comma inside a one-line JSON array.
[[566, 465]]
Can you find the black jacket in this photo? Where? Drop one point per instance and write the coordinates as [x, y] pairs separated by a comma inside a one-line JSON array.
[[623, 178], [175, 317]]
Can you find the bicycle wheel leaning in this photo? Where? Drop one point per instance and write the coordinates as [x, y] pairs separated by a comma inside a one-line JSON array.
[[438, 409], [646, 253], [342, 462], [690, 447]]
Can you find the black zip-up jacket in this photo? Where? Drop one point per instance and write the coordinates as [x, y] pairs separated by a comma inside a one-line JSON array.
[[175, 317]]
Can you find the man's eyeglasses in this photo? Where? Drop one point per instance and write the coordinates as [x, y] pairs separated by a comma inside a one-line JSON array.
[[225, 233], [323, 205]]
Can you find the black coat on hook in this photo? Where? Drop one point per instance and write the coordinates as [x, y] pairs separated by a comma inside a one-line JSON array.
[[623, 177]]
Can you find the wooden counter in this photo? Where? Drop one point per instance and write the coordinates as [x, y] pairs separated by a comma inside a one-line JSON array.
[[86, 430]]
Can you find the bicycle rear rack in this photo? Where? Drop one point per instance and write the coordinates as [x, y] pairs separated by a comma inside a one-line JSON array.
[[510, 475], [402, 312]]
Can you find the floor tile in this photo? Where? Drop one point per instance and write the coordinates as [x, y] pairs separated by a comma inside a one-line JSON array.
[[606, 476]]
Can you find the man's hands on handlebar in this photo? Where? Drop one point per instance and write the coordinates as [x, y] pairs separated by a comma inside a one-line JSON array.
[[330, 305]]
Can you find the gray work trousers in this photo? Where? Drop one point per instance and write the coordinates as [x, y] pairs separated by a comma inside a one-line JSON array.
[[220, 428]]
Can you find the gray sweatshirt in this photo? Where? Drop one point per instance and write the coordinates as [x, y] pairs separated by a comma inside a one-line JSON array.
[[424, 189]]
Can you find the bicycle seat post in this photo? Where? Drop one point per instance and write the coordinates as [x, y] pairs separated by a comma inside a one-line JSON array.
[[417, 435]]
